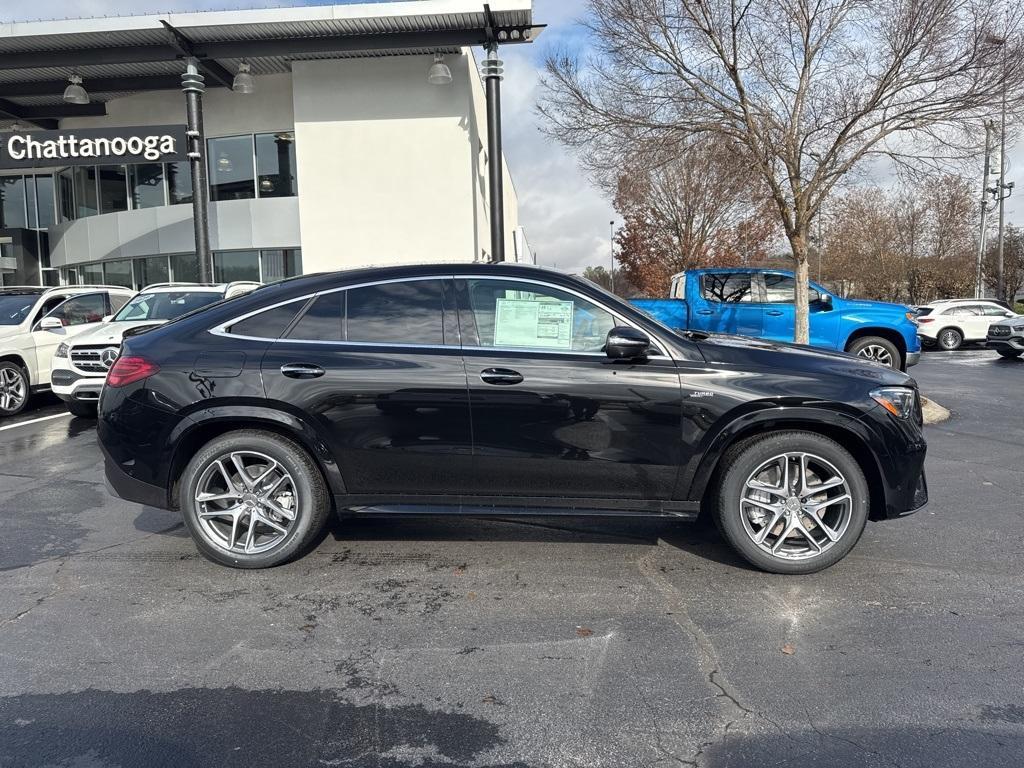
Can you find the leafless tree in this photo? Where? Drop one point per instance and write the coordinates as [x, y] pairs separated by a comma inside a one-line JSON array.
[[812, 89]]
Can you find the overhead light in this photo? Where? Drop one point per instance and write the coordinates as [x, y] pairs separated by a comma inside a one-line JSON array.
[[439, 74], [243, 82], [75, 93], [17, 125], [224, 164]]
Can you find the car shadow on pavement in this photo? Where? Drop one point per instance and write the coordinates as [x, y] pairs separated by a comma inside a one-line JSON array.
[[161, 521]]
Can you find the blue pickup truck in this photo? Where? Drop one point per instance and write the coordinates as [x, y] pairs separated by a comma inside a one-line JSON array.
[[759, 302]]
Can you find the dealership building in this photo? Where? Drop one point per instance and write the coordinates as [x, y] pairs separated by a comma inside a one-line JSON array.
[[257, 144]]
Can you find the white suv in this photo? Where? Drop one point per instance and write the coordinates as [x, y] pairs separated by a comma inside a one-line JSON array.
[[80, 366], [948, 323], [33, 322]]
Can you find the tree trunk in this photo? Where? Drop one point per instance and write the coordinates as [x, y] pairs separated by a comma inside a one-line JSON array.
[[801, 329]]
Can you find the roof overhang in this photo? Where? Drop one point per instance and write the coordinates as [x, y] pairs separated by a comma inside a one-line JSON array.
[[118, 56]]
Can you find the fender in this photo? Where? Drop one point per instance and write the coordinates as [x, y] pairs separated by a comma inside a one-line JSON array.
[[272, 415], [832, 419]]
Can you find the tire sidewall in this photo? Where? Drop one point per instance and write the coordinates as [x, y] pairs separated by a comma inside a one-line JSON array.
[[291, 458], [947, 347], [866, 341], [28, 388], [755, 453]]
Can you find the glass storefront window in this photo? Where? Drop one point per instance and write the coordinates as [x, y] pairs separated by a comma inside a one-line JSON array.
[[85, 191], [229, 266], [118, 273], [179, 183], [275, 164], [147, 185], [12, 203], [91, 274], [44, 211], [231, 168], [66, 194], [113, 188], [279, 264], [150, 270], [185, 268]]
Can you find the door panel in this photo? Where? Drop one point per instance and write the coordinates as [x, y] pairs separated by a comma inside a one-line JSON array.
[[555, 417], [395, 405], [780, 312], [726, 304]]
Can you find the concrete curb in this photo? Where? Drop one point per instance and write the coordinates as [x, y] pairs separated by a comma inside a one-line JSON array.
[[933, 412]]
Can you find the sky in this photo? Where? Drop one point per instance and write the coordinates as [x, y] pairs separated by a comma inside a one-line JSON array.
[[566, 219]]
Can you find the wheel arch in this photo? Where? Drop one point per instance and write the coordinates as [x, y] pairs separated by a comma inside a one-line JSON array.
[[710, 468], [197, 432], [17, 359], [889, 334]]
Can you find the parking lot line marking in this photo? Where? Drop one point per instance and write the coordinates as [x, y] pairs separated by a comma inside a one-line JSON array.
[[34, 421]]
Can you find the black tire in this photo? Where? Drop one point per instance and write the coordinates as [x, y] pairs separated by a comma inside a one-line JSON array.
[[949, 339], [13, 375], [310, 510], [746, 457], [82, 409], [877, 348], [1009, 354]]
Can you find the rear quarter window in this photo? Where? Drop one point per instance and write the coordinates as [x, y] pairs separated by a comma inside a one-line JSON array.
[[268, 324]]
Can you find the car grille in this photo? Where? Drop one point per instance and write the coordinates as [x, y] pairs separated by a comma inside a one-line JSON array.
[[90, 359], [999, 330]]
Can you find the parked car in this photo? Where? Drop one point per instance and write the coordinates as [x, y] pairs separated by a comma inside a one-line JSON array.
[[493, 388], [948, 323], [33, 322], [80, 365], [1007, 336], [760, 303]]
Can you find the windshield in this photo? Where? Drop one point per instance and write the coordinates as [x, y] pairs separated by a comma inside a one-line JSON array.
[[14, 309], [165, 305]]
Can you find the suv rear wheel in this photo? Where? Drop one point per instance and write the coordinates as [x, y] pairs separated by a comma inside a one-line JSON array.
[[14, 389], [253, 499], [949, 339], [791, 502]]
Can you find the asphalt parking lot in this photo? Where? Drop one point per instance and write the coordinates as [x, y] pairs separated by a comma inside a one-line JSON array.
[[546, 642]]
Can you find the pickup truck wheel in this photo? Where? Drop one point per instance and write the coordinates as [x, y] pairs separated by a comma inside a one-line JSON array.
[[253, 499], [791, 502], [878, 349], [949, 339], [14, 389]]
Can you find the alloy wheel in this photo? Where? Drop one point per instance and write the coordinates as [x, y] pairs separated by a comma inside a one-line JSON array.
[[796, 506], [949, 339], [246, 502], [876, 352], [12, 390]]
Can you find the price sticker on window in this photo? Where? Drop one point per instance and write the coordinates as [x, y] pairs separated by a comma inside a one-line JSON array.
[[527, 323]]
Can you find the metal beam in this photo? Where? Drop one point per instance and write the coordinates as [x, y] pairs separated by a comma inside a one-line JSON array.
[[184, 46], [94, 84], [282, 46], [58, 111], [11, 111]]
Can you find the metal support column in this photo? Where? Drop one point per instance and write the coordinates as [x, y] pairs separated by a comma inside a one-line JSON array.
[[979, 279], [492, 76], [193, 84]]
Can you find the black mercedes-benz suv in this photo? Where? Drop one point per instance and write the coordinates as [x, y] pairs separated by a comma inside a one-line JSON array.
[[498, 389]]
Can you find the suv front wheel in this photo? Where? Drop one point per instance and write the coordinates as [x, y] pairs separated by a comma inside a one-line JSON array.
[[14, 389], [253, 499], [791, 502]]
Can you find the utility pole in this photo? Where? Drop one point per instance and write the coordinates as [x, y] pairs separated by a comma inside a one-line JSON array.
[[1004, 191], [611, 246], [986, 190]]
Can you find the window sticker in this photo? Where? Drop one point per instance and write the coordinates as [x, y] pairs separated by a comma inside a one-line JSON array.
[[527, 323]]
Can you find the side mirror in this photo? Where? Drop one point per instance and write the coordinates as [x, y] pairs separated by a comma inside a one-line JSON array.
[[625, 343], [51, 324], [826, 299]]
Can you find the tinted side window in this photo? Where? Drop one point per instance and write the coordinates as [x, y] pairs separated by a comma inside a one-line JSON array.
[[269, 324], [781, 289], [79, 310], [727, 288], [323, 320], [396, 313], [515, 314]]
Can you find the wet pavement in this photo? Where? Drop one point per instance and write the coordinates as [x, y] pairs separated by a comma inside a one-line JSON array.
[[544, 642]]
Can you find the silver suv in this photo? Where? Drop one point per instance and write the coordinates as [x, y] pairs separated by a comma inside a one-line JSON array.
[[1007, 336]]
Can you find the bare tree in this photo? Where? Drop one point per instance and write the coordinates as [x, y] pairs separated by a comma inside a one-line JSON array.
[[811, 89]]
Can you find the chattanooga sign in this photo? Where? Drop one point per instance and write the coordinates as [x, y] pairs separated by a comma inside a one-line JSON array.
[[94, 146]]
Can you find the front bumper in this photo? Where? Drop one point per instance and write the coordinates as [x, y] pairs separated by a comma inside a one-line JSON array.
[[913, 358], [1007, 343], [71, 385], [900, 448]]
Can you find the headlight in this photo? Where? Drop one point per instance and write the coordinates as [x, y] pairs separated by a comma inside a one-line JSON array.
[[912, 317], [62, 350], [1018, 329], [899, 401]]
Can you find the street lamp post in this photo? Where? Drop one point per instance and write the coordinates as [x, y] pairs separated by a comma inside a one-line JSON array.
[[611, 247], [979, 287]]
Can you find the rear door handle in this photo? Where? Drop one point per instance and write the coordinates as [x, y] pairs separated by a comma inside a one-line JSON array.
[[302, 371], [773, 312], [705, 312], [500, 376]]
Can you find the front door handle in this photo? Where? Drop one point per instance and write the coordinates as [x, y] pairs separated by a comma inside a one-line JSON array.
[[773, 312], [302, 371], [705, 312], [500, 376]]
